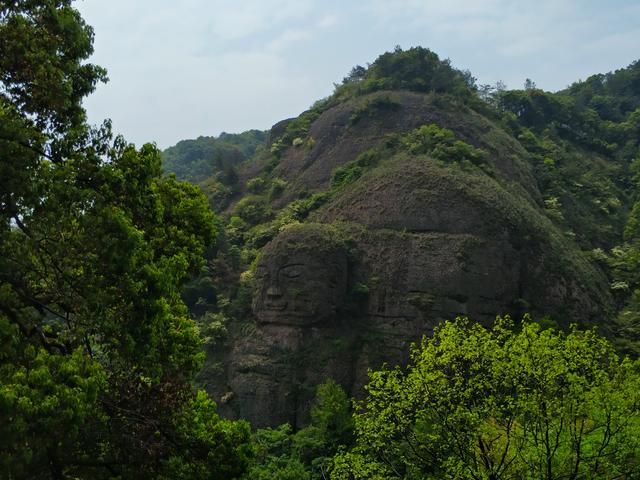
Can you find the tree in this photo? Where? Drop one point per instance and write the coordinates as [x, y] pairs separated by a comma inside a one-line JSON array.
[[97, 350], [305, 454], [483, 403], [624, 262], [417, 69], [356, 74]]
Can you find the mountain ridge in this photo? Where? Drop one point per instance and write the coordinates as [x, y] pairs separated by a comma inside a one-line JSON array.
[[452, 200]]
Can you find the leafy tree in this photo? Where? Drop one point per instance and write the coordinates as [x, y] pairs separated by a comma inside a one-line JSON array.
[[535, 108], [612, 95], [418, 69], [356, 74], [332, 416], [483, 403], [274, 459], [624, 262], [97, 350], [307, 453], [212, 157], [441, 144]]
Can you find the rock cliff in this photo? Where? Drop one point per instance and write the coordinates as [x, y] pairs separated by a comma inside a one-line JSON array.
[[415, 237]]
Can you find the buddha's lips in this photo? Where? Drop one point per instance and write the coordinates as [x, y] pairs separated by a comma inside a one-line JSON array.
[[279, 306]]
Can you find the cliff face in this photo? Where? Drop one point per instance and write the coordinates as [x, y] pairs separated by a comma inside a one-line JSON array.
[[346, 130], [415, 236]]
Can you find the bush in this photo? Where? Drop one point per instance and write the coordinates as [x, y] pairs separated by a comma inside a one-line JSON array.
[[351, 171], [441, 144], [253, 209]]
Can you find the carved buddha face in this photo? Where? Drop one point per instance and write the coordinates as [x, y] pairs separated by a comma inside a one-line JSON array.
[[297, 285]]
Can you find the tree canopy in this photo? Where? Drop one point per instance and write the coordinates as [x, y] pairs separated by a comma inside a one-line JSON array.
[[205, 157], [97, 350], [497, 403], [418, 69]]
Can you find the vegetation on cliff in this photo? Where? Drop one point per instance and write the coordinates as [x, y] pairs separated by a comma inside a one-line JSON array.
[[502, 402], [582, 158], [212, 163], [580, 144]]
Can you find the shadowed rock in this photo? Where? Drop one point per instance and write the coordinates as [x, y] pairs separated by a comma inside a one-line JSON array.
[[301, 278]]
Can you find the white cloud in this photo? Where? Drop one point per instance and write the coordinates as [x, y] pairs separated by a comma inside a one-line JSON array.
[[233, 20], [289, 38], [328, 21]]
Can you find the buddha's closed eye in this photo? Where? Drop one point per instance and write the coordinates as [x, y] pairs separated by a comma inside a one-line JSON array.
[[292, 271]]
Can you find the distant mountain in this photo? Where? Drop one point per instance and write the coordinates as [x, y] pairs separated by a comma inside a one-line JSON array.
[[195, 160]]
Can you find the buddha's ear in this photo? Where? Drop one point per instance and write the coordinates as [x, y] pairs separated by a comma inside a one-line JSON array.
[[334, 274], [339, 274]]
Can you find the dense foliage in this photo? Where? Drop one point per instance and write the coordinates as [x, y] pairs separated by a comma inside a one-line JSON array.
[[307, 453], [195, 160], [212, 163], [584, 141], [585, 151], [417, 69], [97, 350], [499, 404]]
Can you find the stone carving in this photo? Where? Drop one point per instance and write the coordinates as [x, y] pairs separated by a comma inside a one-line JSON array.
[[301, 286], [301, 279]]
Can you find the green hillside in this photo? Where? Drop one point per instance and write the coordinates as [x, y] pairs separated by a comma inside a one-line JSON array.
[[204, 157]]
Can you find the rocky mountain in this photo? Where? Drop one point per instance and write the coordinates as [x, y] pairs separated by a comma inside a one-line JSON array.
[[408, 197]]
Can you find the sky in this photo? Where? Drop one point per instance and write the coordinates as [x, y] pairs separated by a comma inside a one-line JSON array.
[[183, 69]]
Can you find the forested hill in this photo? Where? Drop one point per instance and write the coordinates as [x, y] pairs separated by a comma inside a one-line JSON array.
[[411, 144], [586, 137], [205, 158], [410, 196]]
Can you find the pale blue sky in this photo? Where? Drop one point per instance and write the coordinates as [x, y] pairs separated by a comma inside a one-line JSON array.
[[199, 67]]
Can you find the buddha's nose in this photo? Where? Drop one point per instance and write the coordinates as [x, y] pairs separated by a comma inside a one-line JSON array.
[[274, 292]]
